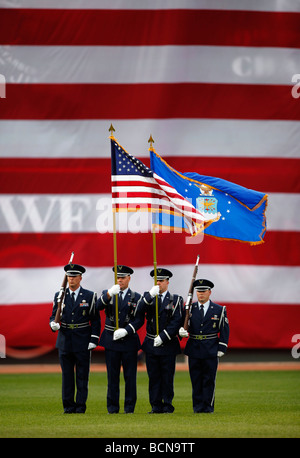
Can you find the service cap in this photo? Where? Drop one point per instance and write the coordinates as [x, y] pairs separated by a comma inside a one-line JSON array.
[[203, 285], [73, 270], [162, 273], [123, 271]]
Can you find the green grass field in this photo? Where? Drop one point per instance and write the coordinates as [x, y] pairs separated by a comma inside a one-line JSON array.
[[249, 404]]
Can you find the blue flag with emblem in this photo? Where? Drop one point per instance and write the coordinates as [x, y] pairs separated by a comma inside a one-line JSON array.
[[231, 211]]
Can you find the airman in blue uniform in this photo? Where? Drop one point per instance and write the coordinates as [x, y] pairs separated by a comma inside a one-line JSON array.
[[161, 347], [79, 333], [208, 339], [122, 344]]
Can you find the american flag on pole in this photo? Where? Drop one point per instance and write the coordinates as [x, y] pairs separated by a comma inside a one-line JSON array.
[[136, 188], [217, 85]]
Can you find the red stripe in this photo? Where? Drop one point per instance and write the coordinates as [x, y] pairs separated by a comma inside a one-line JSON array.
[[48, 250], [144, 101], [131, 207], [93, 176], [195, 216], [125, 188], [149, 27], [246, 324], [56, 176], [257, 326]]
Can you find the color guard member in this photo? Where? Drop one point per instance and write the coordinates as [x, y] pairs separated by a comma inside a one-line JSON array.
[[161, 349], [121, 345], [208, 338], [79, 333]]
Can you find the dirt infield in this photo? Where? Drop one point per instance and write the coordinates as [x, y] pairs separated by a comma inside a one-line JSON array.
[[55, 368]]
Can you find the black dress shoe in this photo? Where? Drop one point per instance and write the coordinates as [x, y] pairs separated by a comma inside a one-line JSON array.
[[155, 411]]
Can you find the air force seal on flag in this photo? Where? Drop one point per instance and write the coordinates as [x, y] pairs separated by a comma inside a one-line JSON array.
[[207, 204]]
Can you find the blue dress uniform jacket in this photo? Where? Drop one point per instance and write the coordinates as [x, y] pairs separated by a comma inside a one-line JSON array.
[[207, 336], [161, 360], [80, 325], [127, 310], [120, 352], [210, 336], [169, 319]]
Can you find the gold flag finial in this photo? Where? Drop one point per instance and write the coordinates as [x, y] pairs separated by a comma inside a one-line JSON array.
[[150, 141], [111, 130]]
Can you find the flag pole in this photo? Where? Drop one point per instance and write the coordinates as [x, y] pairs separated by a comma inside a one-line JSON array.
[[112, 130], [151, 141], [155, 279]]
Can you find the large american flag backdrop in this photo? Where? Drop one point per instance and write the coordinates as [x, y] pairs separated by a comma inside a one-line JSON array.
[[214, 83]]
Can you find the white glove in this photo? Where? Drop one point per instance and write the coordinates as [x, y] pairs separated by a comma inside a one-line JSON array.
[[54, 326], [91, 346], [220, 354], [115, 289], [183, 332], [120, 333], [157, 341], [154, 291]]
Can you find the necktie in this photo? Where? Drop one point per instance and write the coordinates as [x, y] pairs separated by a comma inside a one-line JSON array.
[[120, 297], [73, 299], [159, 299], [201, 312]]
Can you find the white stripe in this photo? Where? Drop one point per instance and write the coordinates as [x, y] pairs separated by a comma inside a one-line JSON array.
[[253, 5], [123, 190], [231, 283], [149, 64], [283, 212], [173, 205], [173, 137], [54, 213], [132, 178]]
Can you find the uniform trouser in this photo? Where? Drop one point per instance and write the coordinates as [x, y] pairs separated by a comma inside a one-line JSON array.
[[80, 361], [203, 377], [161, 370], [114, 359]]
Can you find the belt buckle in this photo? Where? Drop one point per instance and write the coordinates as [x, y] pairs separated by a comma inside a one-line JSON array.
[[71, 326]]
